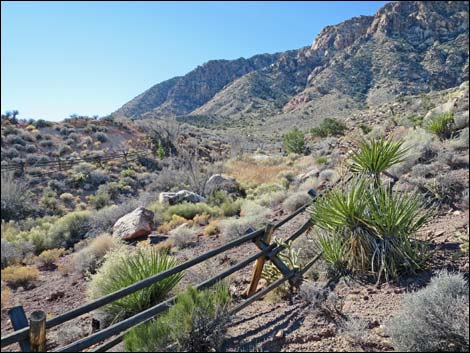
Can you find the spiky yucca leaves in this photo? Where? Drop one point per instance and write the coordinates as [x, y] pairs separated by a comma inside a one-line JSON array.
[[373, 229], [377, 155], [441, 125], [124, 267], [290, 256]]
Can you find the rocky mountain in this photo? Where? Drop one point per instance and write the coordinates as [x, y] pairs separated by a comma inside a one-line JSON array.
[[406, 48]]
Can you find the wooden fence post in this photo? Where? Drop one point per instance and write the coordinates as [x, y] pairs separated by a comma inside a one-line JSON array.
[[37, 331], [268, 233], [18, 321]]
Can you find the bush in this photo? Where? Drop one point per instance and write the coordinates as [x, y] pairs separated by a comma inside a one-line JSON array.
[[172, 224], [441, 125], [233, 228], [211, 229], [294, 141], [15, 198], [194, 324], [88, 259], [188, 210], [374, 229], [101, 136], [272, 199], [47, 258], [184, 236], [19, 276], [295, 201], [365, 128], [329, 127], [433, 319], [230, 209], [68, 230], [124, 267]]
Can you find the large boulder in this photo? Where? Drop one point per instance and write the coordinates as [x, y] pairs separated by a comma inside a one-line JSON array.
[[222, 182], [136, 224]]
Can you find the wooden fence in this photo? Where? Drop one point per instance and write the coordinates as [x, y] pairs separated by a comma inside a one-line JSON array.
[[32, 336]]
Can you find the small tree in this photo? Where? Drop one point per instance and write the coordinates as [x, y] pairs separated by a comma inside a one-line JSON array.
[[294, 141], [160, 150]]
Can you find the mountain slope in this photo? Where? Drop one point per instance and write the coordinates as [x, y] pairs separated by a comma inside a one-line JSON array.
[[405, 48]]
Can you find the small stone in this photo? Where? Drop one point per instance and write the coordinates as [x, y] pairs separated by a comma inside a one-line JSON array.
[[366, 297], [280, 335]]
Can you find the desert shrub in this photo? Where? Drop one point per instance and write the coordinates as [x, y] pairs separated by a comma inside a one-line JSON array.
[[184, 236], [321, 160], [19, 276], [6, 296], [355, 329], [329, 127], [31, 148], [41, 123], [124, 267], [376, 228], [89, 258], [32, 159], [233, 228], [201, 220], [421, 148], [15, 198], [188, 210], [64, 149], [67, 230], [46, 143], [365, 128], [462, 141], [13, 251], [211, 229], [12, 152], [444, 189], [100, 199], [219, 197], [172, 224], [101, 136], [294, 141], [328, 175], [295, 201], [194, 324], [15, 139], [433, 319], [441, 125], [47, 258], [272, 199], [230, 209]]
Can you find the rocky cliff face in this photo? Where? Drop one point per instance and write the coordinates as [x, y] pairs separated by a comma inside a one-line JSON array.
[[405, 48]]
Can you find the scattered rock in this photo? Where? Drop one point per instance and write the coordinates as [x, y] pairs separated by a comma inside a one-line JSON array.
[[136, 224], [55, 296], [185, 196], [280, 335]]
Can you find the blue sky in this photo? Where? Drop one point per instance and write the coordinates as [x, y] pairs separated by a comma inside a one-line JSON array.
[[61, 58]]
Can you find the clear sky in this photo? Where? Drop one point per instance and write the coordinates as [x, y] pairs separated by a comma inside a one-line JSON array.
[[61, 58]]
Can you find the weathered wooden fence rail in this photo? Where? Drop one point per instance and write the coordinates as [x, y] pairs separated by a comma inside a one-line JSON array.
[[35, 336]]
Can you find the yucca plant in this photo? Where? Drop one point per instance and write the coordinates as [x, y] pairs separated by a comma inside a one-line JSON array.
[[370, 229], [377, 155], [124, 267], [441, 125]]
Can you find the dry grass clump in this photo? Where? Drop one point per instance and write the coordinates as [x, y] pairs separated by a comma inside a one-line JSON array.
[[211, 229], [295, 201], [184, 236], [253, 172], [19, 276], [47, 259], [172, 224], [89, 258]]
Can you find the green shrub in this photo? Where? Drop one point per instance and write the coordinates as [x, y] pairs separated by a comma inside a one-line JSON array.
[[124, 267], [294, 141], [68, 230], [88, 259], [329, 127], [441, 125], [365, 128], [321, 160], [101, 136], [188, 210], [433, 319], [295, 201], [194, 324], [17, 275], [230, 209], [15, 198], [376, 227]]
